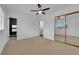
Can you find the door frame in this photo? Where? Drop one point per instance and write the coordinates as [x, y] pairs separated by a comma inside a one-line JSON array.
[[10, 25]]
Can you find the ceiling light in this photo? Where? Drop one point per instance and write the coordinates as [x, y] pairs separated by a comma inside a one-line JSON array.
[[40, 11]]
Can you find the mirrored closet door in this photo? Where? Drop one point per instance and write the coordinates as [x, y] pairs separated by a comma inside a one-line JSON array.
[[72, 33], [59, 27], [67, 28]]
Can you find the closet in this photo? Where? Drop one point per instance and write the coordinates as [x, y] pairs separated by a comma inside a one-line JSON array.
[[67, 28]]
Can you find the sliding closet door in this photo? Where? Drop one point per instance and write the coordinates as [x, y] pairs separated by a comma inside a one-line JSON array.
[[60, 29], [72, 29]]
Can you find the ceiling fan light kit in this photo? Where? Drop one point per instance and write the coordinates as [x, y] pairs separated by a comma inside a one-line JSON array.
[[40, 10]]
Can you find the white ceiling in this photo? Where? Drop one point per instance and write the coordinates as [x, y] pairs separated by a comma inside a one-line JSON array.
[[25, 8]]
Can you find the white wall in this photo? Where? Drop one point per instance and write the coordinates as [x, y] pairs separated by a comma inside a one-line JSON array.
[[3, 33], [27, 25]]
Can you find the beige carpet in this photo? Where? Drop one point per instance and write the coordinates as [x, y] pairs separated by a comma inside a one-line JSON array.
[[38, 45]]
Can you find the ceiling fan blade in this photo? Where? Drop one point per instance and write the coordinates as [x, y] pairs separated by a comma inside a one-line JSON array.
[[39, 5], [45, 9], [43, 12], [37, 13], [34, 10]]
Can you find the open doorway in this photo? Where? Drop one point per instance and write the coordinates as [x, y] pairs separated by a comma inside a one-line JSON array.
[[41, 28], [13, 28]]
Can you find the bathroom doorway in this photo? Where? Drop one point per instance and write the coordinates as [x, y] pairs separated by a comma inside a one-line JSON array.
[[41, 28]]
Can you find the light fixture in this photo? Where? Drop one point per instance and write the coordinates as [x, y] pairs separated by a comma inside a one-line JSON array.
[[39, 12]]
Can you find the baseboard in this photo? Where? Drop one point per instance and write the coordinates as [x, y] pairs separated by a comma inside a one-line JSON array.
[[27, 37]]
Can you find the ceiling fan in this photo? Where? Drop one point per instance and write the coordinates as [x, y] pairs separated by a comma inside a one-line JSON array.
[[40, 10]]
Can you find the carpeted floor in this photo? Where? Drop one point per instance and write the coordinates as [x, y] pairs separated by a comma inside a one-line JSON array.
[[38, 46]]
